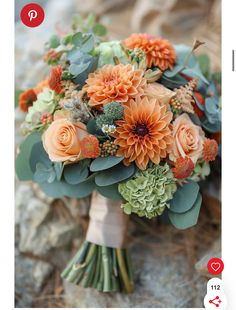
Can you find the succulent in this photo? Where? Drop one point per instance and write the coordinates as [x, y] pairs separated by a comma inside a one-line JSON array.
[[148, 192], [108, 50], [201, 171], [113, 110], [46, 102]]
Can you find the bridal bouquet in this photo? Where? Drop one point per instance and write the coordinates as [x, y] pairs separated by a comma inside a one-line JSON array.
[[135, 123]]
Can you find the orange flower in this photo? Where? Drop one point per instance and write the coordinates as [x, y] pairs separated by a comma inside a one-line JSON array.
[[54, 80], [62, 140], [114, 83], [210, 149], [26, 99], [90, 147], [183, 167], [144, 134], [159, 52], [40, 86]]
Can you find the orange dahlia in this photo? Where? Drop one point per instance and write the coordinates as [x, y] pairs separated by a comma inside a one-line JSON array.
[[26, 99], [114, 83], [90, 147], [144, 134], [183, 167], [54, 79], [159, 52], [210, 149]]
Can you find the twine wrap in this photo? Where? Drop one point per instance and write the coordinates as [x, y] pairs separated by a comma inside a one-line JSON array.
[[108, 223]]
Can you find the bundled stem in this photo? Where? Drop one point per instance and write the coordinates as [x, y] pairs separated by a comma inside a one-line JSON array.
[[104, 268]]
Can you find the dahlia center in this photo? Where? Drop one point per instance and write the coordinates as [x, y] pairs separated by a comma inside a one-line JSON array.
[[141, 130]]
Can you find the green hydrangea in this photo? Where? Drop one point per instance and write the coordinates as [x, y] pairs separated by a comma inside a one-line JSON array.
[[114, 110], [148, 192]]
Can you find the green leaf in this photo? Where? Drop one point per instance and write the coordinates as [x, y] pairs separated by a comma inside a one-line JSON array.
[[91, 20], [58, 167], [77, 39], [75, 69], [103, 163], [204, 63], [99, 30], [114, 175], [54, 41], [185, 197], [79, 190], [22, 165], [174, 71], [88, 44], [93, 128], [110, 192], [127, 208], [187, 219], [67, 39], [39, 155], [58, 189], [17, 95], [75, 173], [42, 173]]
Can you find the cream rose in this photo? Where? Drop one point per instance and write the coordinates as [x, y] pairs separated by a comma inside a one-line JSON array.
[[188, 139], [62, 140]]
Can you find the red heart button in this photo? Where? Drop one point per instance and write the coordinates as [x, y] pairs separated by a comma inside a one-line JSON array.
[[215, 265]]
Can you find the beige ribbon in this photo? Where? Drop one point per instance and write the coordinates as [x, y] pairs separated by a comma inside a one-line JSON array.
[[108, 223]]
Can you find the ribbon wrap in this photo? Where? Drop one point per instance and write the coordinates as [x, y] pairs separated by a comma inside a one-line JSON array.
[[108, 223]]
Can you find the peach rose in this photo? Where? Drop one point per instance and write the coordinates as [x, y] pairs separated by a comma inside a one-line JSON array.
[[62, 140], [160, 92], [188, 139]]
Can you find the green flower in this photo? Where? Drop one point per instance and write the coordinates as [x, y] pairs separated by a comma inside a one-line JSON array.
[[102, 120], [201, 171], [148, 192], [107, 50], [114, 110], [45, 102]]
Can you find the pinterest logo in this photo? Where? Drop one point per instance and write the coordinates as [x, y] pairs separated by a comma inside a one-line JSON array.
[[32, 15]]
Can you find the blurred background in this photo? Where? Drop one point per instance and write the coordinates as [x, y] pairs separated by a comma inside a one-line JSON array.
[[170, 265]]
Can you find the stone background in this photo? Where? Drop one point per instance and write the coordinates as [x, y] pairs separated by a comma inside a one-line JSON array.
[[169, 264]]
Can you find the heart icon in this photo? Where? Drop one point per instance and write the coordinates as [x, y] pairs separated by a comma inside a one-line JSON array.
[[215, 266]]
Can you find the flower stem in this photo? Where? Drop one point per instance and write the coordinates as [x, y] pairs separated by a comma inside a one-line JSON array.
[[125, 278]]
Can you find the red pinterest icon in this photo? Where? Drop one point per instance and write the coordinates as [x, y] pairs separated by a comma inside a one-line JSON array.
[[215, 265], [32, 15]]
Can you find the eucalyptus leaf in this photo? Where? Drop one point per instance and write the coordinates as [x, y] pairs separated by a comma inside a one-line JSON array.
[[174, 82], [58, 167], [39, 155], [204, 63], [93, 128], [22, 164], [75, 69], [189, 218], [114, 175], [99, 30], [88, 44], [184, 197], [75, 173], [77, 39], [103, 163], [174, 71], [54, 41], [110, 192], [41, 174]]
